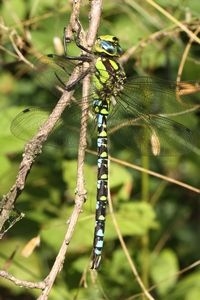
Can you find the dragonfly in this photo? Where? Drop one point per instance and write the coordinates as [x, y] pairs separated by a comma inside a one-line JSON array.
[[142, 109]]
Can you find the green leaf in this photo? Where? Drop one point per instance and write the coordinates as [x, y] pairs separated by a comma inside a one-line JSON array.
[[9, 143], [136, 218], [27, 268], [120, 180], [164, 271], [188, 288]]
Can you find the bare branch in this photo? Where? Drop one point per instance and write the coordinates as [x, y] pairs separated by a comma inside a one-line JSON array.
[[24, 283], [32, 150], [80, 195], [34, 147]]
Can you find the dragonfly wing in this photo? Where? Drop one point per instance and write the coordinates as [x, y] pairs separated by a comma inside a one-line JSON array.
[[66, 133], [27, 123], [149, 133], [52, 72], [155, 96]]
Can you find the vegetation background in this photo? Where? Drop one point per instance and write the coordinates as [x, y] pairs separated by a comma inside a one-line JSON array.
[[158, 220]]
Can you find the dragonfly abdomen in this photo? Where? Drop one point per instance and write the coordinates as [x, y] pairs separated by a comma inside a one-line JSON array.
[[108, 81], [102, 110]]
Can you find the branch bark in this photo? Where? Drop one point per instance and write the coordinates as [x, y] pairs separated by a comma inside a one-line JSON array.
[[34, 148], [80, 195]]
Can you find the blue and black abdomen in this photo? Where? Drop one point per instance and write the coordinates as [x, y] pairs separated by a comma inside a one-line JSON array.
[[108, 81]]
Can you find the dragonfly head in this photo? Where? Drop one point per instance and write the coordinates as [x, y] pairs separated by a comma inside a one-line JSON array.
[[107, 45]]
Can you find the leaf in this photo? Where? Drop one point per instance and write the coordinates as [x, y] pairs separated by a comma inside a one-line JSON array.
[[188, 288], [133, 219], [30, 246], [120, 179], [12, 260], [164, 271], [9, 143]]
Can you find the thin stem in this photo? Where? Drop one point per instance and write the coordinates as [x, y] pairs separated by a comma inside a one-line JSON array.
[[174, 20], [144, 258], [145, 179], [81, 193], [123, 245], [33, 149], [152, 173], [185, 54], [24, 283]]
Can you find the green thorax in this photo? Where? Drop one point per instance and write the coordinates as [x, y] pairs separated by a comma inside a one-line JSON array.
[[109, 76]]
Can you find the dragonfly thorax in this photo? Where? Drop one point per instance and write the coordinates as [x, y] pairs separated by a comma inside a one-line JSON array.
[[108, 78]]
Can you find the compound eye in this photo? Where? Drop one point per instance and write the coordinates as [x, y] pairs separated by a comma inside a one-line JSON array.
[[108, 47], [119, 50]]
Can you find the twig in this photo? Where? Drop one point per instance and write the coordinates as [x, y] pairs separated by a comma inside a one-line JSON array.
[[174, 20], [186, 269], [24, 283], [173, 31], [123, 245], [153, 287], [20, 56], [80, 195], [185, 53], [32, 149], [155, 174]]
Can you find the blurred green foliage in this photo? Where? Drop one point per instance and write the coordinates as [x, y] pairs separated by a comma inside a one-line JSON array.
[[159, 221]]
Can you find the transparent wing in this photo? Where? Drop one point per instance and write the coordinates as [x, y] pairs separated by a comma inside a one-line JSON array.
[[27, 123], [65, 134], [148, 114], [151, 117], [154, 135], [52, 72], [156, 96]]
